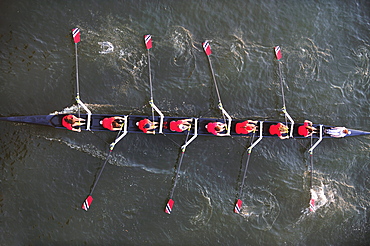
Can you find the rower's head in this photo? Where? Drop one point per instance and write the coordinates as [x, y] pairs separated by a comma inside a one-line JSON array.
[[147, 125], [117, 123], [283, 129], [69, 120]]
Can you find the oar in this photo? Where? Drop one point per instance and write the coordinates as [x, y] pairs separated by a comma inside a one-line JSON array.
[[312, 192], [87, 203], [278, 56], [170, 203], [148, 44], [208, 51], [239, 202], [76, 40]]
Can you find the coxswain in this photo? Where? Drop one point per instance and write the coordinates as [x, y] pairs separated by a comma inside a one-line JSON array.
[[113, 123], [246, 127], [146, 125], [216, 128], [307, 129], [180, 125], [337, 132], [279, 129], [70, 122]]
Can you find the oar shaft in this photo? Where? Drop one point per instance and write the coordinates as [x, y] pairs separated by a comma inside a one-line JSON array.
[[77, 83], [214, 79], [281, 84], [177, 174], [245, 174], [179, 167], [100, 172]]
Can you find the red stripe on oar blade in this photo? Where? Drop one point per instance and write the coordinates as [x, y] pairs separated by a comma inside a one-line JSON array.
[[169, 206], [86, 204], [148, 41], [238, 206], [76, 35], [312, 205], [278, 53], [207, 48]]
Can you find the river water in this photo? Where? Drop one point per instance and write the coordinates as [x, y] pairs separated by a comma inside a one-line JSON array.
[[46, 173]]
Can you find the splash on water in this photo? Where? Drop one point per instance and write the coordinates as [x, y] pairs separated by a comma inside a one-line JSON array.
[[107, 47]]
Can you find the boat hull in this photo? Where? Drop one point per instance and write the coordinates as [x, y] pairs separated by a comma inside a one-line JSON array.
[[56, 122]]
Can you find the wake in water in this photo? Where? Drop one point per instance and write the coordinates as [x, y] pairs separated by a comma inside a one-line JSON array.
[[261, 210]]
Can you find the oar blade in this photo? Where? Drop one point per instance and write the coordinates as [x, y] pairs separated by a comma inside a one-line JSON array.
[[169, 206], [148, 41], [86, 204], [76, 35], [207, 48], [312, 205], [278, 52], [238, 206]]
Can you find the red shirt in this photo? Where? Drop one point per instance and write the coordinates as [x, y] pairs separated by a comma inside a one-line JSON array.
[[108, 123], [211, 128], [243, 128], [175, 126], [142, 123], [274, 129], [303, 131], [65, 123]]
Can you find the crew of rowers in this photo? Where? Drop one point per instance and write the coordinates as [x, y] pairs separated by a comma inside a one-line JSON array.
[[116, 123]]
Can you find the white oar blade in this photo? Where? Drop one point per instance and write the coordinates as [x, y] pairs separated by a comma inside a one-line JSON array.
[[76, 35], [86, 204], [169, 206], [207, 48], [278, 52], [148, 41], [238, 206]]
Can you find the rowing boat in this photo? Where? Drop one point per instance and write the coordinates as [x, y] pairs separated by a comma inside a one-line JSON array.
[[198, 126], [56, 122]]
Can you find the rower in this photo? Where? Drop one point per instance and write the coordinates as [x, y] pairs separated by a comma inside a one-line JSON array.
[[337, 132], [216, 128], [307, 129], [246, 127], [70, 122], [146, 125], [112, 123], [180, 125], [279, 129]]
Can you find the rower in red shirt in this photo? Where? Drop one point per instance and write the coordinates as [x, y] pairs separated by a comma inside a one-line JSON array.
[[180, 125], [113, 123], [279, 130], [70, 122], [307, 129], [146, 125], [216, 128], [245, 127]]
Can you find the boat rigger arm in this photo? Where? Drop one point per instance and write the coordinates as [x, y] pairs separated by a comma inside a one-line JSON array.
[[124, 133], [194, 136], [258, 140], [318, 141], [160, 114], [88, 123], [291, 121], [228, 118]]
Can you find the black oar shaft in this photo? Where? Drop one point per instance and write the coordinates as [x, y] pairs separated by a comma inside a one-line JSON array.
[[100, 172], [179, 167], [245, 174]]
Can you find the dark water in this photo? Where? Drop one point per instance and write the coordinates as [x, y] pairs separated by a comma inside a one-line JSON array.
[[47, 173]]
